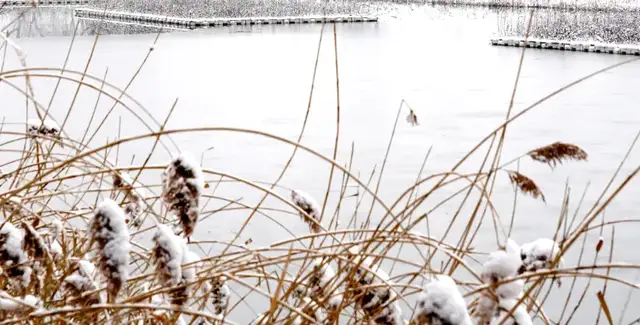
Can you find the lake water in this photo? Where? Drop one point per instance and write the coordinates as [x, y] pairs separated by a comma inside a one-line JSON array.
[[437, 59]]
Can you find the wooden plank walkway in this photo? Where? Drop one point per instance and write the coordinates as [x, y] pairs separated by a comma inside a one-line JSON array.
[[43, 3], [214, 22], [624, 49]]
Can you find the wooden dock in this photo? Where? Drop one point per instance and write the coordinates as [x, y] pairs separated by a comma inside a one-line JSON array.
[[192, 23], [42, 3], [623, 49]]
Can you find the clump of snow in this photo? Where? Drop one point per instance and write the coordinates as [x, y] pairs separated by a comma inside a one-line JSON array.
[[182, 185], [12, 254], [500, 266], [539, 254], [16, 304], [441, 303], [518, 317], [168, 255], [43, 129], [307, 204], [83, 280], [109, 232]]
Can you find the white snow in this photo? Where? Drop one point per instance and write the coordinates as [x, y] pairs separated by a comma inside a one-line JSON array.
[[17, 304], [12, 247], [108, 228], [441, 300], [169, 255], [539, 254], [519, 316], [305, 202]]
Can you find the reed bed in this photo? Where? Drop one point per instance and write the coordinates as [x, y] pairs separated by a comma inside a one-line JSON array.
[[86, 238]]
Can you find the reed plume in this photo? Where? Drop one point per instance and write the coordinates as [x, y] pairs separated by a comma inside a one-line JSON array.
[[109, 232], [182, 185], [558, 152], [412, 118], [311, 208], [525, 184], [181, 294]]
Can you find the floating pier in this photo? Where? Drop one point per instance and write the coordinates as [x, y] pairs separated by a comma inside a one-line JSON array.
[[624, 49], [42, 3], [192, 23]]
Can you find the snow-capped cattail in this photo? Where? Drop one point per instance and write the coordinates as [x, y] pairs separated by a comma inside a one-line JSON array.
[[56, 229], [307, 204], [43, 129], [109, 232], [83, 280], [136, 194], [539, 254], [220, 295], [182, 185], [319, 282], [499, 266], [518, 317], [13, 255], [181, 294], [441, 303], [378, 302], [168, 255]]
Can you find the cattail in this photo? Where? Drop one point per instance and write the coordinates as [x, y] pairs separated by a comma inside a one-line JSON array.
[[412, 118], [441, 303], [525, 184], [539, 254], [44, 129], [83, 280], [311, 208], [558, 152], [109, 232], [518, 317], [12, 254], [136, 194], [599, 245], [182, 184], [378, 302], [168, 254], [220, 295]]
